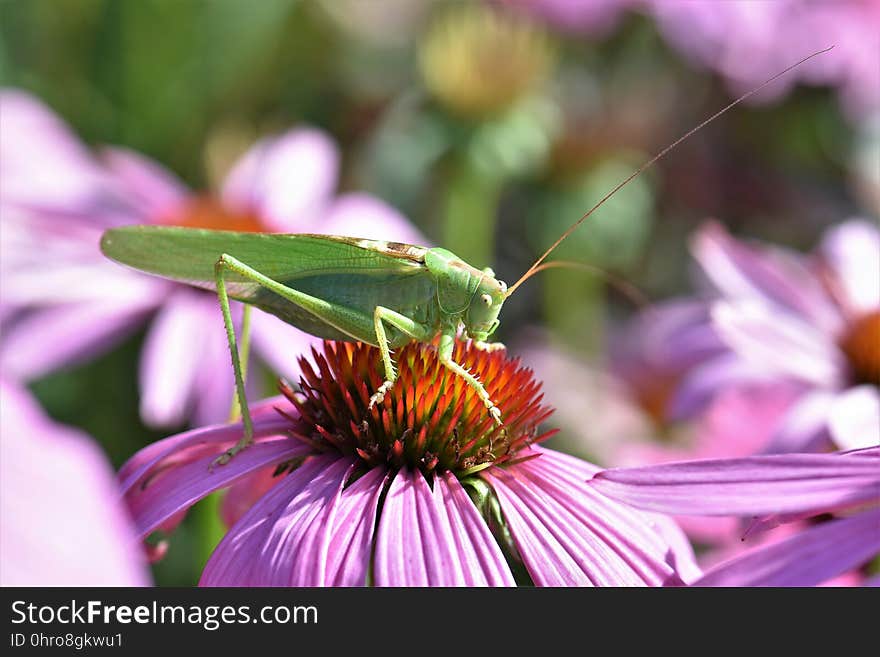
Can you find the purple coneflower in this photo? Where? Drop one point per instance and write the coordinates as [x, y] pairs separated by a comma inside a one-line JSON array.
[[63, 302], [63, 524], [776, 489], [813, 323], [422, 490]]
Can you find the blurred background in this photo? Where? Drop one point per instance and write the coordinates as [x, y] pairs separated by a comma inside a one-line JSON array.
[[491, 126]]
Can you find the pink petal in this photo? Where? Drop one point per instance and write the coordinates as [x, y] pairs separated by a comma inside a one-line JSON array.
[[781, 343], [291, 554], [758, 485], [240, 557], [288, 180], [804, 426], [806, 559], [854, 418], [852, 251], [44, 164], [48, 339], [279, 344], [244, 493], [154, 189], [349, 538], [174, 354], [62, 522], [567, 535], [433, 538], [769, 275], [361, 215]]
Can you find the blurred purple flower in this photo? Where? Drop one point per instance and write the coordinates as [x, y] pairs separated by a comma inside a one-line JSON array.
[[777, 489], [812, 323], [62, 521], [422, 491], [62, 302], [748, 42]]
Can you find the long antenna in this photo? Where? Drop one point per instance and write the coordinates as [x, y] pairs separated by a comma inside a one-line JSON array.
[[647, 164]]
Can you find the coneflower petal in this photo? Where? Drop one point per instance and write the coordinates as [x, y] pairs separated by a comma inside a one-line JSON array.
[[759, 485], [430, 538], [806, 559], [349, 541], [237, 557], [190, 444], [289, 539], [568, 535], [176, 489], [653, 545]]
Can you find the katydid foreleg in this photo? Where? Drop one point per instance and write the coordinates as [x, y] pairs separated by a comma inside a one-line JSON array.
[[447, 344], [403, 323]]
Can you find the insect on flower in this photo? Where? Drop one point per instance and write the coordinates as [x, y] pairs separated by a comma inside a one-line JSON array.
[[345, 288]]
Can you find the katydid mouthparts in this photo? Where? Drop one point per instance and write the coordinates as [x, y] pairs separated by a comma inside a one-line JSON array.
[[346, 288]]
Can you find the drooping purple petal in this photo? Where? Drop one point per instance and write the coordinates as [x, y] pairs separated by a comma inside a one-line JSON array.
[[426, 538], [769, 275], [170, 491], [852, 251], [568, 535], [288, 180], [759, 485], [782, 343], [806, 559], [198, 442], [62, 524], [854, 418]]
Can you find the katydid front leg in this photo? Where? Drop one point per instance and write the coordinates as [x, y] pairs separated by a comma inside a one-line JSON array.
[[403, 323], [447, 344]]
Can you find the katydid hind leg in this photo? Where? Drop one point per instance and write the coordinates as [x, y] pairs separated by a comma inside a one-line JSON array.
[[248, 438], [413, 329]]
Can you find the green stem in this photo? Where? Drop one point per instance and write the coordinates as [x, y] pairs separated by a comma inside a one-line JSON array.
[[469, 215]]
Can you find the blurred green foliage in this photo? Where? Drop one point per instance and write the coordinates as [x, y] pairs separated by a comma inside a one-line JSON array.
[[192, 82]]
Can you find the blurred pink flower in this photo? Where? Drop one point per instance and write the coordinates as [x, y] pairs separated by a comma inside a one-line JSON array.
[[748, 42], [812, 323], [62, 520], [62, 302], [776, 489], [422, 491]]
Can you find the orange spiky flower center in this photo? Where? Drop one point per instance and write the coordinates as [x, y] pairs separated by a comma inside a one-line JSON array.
[[431, 419], [861, 344]]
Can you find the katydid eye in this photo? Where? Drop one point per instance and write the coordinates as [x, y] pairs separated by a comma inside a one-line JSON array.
[[487, 299], [502, 286]]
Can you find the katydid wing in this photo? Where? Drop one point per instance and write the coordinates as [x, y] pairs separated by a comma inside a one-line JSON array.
[[383, 293]]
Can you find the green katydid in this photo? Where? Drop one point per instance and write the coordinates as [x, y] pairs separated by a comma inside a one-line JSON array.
[[344, 288]]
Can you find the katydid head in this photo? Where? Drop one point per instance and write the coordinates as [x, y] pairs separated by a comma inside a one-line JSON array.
[[481, 318]]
